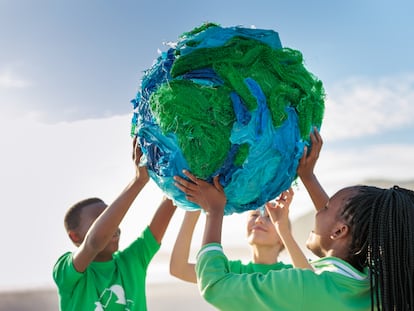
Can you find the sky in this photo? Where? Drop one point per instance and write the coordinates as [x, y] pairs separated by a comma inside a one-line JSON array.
[[68, 70]]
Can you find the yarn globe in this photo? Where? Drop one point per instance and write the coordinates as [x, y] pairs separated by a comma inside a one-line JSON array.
[[228, 102]]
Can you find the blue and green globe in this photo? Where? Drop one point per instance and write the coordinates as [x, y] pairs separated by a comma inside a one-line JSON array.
[[232, 102]]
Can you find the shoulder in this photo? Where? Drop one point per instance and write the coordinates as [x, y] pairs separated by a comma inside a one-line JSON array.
[[63, 261], [143, 248], [64, 272], [339, 267], [236, 266]]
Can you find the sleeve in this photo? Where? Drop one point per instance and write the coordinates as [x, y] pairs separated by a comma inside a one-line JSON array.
[[143, 248], [235, 266], [275, 290], [65, 274]]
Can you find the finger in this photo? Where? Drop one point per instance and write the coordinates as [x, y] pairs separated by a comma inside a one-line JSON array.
[[270, 208], [188, 185], [288, 198], [184, 188], [318, 135], [180, 180], [190, 176], [188, 193], [289, 193], [304, 155], [317, 142], [283, 196], [217, 184], [137, 151], [314, 141], [134, 144]]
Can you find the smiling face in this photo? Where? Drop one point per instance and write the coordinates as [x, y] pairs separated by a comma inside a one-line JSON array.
[[330, 234], [260, 229]]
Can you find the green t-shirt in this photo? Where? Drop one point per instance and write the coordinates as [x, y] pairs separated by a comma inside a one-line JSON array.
[[236, 266], [334, 285], [118, 284]]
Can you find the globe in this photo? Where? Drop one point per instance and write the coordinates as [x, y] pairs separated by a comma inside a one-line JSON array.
[[228, 102]]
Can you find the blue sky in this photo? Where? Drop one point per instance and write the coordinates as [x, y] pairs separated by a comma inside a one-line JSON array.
[[88, 56], [68, 70]]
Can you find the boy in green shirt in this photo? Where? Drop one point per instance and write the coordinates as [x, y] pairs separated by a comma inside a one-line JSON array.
[[97, 276]]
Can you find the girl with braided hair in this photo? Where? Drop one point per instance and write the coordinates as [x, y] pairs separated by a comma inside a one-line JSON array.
[[364, 237], [381, 223]]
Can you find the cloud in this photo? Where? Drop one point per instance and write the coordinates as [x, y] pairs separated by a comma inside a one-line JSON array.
[[378, 161], [10, 80], [360, 106]]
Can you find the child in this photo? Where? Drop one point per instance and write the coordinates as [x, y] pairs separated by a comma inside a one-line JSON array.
[[266, 244], [97, 276], [261, 235], [363, 235]]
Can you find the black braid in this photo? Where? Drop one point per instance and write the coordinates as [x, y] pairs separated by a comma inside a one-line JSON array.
[[381, 222]]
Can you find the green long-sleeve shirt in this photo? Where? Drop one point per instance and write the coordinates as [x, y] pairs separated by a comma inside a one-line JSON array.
[[334, 285]]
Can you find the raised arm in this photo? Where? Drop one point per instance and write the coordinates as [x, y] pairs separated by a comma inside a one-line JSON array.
[[180, 266], [279, 214], [306, 172], [209, 197], [161, 218], [105, 226]]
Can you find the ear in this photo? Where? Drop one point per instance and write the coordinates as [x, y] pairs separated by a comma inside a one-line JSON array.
[[74, 236], [341, 231]]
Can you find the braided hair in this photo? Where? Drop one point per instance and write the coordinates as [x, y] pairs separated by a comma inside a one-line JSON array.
[[381, 222]]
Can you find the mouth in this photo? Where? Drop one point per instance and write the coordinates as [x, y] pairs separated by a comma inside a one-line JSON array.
[[258, 229]]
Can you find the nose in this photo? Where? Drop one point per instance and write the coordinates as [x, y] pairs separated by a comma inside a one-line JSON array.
[[260, 219]]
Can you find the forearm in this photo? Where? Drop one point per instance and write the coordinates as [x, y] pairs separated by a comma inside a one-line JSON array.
[[108, 222], [298, 258], [213, 227], [316, 192], [180, 266], [161, 219]]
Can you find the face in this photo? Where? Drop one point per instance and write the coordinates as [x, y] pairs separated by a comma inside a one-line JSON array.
[[88, 215], [260, 229], [327, 224]]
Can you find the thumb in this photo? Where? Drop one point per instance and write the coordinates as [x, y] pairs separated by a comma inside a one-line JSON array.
[[217, 184]]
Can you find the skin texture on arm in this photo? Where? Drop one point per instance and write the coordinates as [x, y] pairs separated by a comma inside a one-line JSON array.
[[106, 225], [161, 219], [211, 198], [306, 172], [180, 266], [279, 214]]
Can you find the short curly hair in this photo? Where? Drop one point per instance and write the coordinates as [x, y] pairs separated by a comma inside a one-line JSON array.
[[72, 217]]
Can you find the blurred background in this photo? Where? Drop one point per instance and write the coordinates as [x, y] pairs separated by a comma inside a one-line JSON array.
[[68, 70]]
